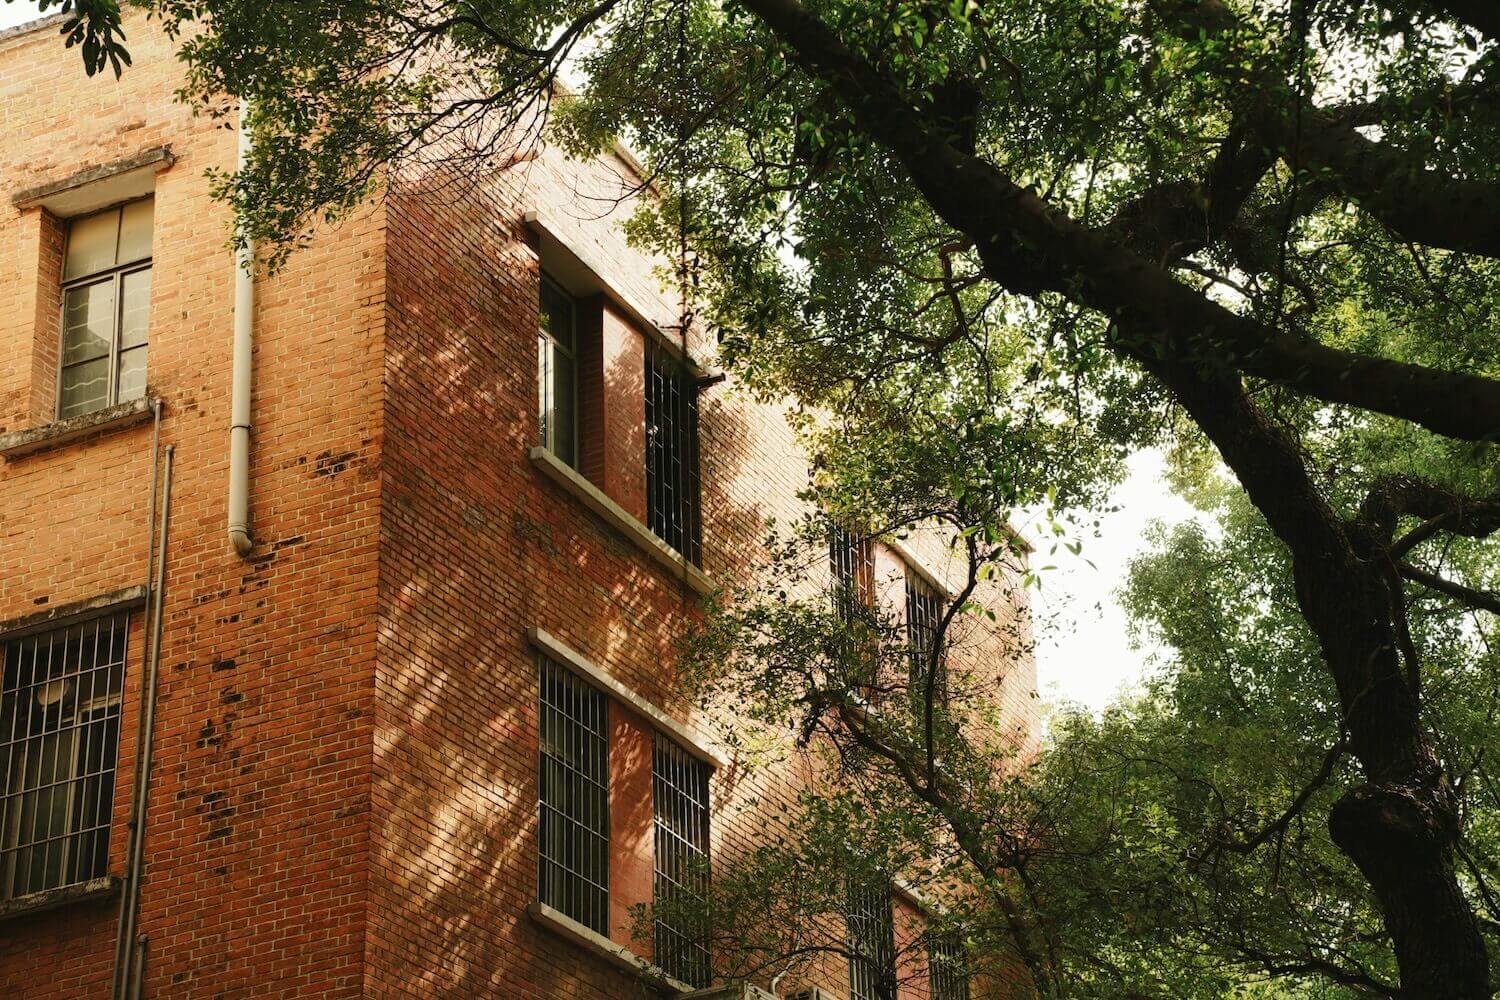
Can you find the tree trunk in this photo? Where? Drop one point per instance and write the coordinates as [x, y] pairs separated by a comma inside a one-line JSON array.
[[1402, 837]]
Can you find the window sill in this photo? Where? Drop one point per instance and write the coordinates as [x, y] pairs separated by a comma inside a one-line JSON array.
[[51, 899], [31, 440], [617, 955], [685, 736], [615, 516]]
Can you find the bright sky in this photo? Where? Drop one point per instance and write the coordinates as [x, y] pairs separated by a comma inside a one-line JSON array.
[[13, 12], [1083, 654], [1083, 651]]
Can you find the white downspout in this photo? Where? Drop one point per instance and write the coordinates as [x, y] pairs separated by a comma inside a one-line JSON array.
[[239, 407]]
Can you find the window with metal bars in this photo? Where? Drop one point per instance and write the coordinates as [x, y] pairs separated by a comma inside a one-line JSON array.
[[852, 570], [59, 739], [573, 860], [947, 967], [872, 942], [924, 610], [557, 371], [679, 788], [672, 510], [106, 307]]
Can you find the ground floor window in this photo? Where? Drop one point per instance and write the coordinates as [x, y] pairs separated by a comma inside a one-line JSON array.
[[59, 739]]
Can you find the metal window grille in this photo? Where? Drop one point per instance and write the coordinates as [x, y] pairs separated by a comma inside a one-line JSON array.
[[106, 305], [872, 942], [947, 967], [679, 784], [672, 507], [573, 860], [557, 371], [924, 611], [59, 740], [852, 569]]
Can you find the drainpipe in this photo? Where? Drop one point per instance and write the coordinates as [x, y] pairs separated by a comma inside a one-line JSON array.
[[239, 407]]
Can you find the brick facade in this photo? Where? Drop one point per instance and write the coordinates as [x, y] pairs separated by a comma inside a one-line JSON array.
[[344, 787]]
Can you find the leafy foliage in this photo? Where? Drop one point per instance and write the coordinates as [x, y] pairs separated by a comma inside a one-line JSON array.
[[991, 249]]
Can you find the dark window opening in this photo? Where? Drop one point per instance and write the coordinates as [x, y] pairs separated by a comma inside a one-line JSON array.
[[672, 503], [59, 740]]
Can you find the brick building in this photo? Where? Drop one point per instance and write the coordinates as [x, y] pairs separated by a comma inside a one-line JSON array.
[[486, 492]]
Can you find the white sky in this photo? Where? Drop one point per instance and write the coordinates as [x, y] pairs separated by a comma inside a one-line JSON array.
[[1083, 654], [16, 11]]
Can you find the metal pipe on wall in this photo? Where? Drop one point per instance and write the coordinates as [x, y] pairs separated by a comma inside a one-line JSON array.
[[130, 903], [132, 826], [241, 381]]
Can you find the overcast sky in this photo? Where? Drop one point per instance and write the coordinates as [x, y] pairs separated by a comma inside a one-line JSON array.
[[1082, 651], [16, 11]]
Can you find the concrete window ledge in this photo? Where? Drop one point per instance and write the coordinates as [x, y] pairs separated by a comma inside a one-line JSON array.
[[617, 955], [686, 736], [30, 440], [51, 899], [614, 515]]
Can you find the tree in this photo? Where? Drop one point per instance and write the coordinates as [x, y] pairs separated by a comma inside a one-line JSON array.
[[1053, 231]]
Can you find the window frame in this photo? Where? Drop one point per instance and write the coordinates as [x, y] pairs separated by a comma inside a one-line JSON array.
[[924, 613], [677, 409], [548, 432], [103, 714], [948, 978], [863, 902], [592, 910], [116, 273], [676, 952]]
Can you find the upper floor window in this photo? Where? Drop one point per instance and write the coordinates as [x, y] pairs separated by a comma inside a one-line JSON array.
[[872, 942], [679, 791], [672, 510], [947, 967], [557, 371], [573, 861], [924, 611], [59, 736], [851, 568], [106, 300]]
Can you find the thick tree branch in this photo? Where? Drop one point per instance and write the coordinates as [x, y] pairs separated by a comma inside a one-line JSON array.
[[1030, 246], [1483, 600], [1420, 204]]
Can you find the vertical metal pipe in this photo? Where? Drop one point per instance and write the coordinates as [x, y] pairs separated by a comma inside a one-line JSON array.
[[130, 903], [241, 377], [122, 948]]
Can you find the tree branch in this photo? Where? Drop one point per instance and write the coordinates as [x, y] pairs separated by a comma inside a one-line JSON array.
[[1030, 246]]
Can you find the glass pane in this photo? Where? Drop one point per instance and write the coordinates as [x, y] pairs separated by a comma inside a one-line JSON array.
[[85, 388], [91, 243], [88, 321], [135, 230], [132, 375], [557, 314], [135, 307], [544, 389], [564, 412]]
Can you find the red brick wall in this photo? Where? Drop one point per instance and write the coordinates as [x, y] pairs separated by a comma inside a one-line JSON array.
[[344, 796], [259, 813]]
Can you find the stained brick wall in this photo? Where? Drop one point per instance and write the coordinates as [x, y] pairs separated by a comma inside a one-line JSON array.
[[259, 814], [344, 797]]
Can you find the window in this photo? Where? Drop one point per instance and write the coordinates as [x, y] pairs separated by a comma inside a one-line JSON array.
[[59, 737], [557, 371], [672, 453], [924, 611], [679, 789], [872, 942], [573, 860], [106, 305], [947, 967], [852, 569]]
